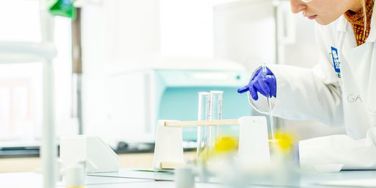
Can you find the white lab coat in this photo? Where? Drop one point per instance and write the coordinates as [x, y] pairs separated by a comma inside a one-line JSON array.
[[319, 94]]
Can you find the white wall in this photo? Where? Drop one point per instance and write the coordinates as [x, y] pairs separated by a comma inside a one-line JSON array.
[[186, 28], [129, 34], [116, 31], [131, 28], [244, 32]]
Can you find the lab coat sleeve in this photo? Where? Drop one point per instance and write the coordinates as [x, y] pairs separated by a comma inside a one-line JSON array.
[[302, 94], [306, 93], [339, 150]]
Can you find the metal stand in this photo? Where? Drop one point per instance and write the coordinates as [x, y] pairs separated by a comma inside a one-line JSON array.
[[49, 146], [77, 72]]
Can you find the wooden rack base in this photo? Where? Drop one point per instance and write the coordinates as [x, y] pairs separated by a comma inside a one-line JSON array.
[[187, 124]]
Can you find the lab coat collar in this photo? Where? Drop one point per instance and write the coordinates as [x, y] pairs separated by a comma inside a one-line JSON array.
[[343, 25]]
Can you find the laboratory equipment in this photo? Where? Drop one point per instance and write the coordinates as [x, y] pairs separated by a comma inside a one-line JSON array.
[[264, 82], [184, 178], [74, 176], [202, 131], [168, 147], [215, 113], [271, 122], [254, 149], [253, 141], [213, 140], [216, 98], [96, 155], [223, 139], [273, 90], [45, 51], [166, 89]]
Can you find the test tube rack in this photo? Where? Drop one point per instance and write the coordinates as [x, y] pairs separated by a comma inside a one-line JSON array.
[[168, 152], [190, 124]]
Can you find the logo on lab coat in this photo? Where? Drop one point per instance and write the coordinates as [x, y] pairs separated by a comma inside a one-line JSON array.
[[354, 98], [335, 61]]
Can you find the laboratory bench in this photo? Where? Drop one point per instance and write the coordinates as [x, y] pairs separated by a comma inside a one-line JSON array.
[[121, 148], [127, 160], [33, 151], [140, 179], [26, 158]]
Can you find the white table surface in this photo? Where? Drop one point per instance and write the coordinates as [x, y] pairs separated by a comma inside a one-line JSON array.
[[132, 179]]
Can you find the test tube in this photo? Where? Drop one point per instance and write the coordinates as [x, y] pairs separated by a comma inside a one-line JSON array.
[[215, 113], [202, 131], [216, 105]]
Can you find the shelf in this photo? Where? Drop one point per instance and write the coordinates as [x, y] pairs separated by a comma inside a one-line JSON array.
[[17, 52]]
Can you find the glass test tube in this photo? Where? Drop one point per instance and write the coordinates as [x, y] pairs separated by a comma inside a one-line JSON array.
[[215, 113], [203, 131]]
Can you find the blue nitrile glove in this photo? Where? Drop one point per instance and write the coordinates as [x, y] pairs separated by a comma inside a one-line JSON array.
[[263, 81]]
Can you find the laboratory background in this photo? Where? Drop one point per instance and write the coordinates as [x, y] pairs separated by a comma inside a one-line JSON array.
[[108, 71]]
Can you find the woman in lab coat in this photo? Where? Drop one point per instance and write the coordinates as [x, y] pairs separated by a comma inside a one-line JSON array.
[[340, 90]]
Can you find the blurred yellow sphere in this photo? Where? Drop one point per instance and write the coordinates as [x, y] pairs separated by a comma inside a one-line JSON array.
[[285, 141], [225, 144], [222, 145]]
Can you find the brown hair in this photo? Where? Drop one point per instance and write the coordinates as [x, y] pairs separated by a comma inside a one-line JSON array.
[[364, 15]]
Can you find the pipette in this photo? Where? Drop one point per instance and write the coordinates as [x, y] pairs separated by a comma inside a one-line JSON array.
[[271, 122], [268, 99], [264, 71]]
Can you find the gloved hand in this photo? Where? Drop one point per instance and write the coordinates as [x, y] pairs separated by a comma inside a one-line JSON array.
[[263, 81]]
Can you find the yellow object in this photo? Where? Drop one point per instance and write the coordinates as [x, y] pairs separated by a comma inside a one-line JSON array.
[[285, 141], [225, 144], [205, 154], [76, 186]]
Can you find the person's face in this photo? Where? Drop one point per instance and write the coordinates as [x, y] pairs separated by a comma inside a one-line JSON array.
[[323, 11]]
